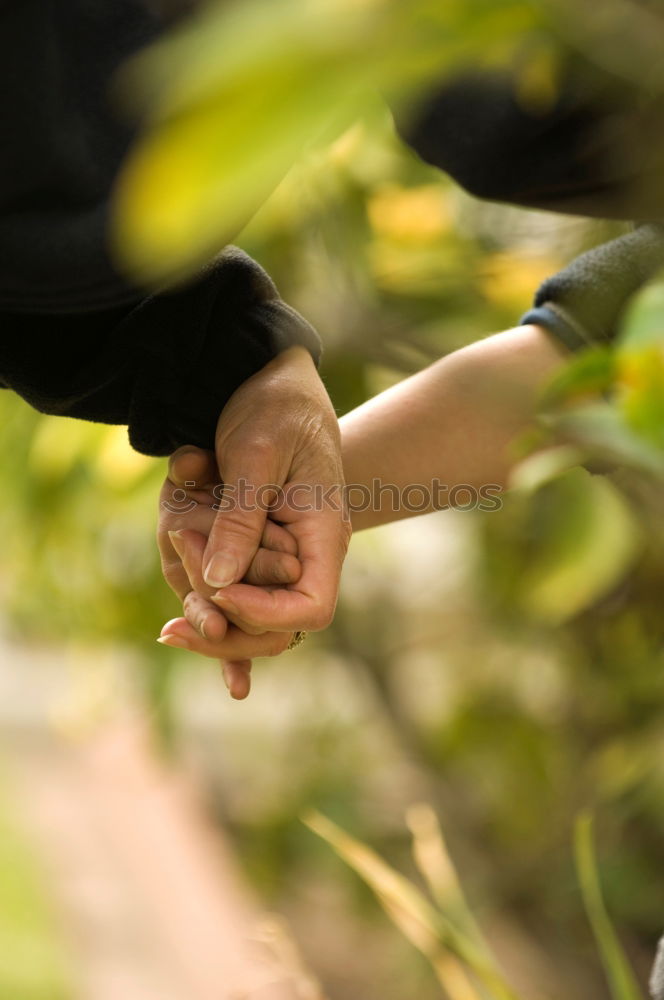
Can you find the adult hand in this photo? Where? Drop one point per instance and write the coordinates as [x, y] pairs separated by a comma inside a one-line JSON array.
[[277, 449]]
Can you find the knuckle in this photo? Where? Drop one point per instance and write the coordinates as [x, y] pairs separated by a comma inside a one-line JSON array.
[[261, 446], [269, 567], [278, 539], [280, 572], [171, 574], [256, 570], [194, 611], [251, 450], [235, 525]]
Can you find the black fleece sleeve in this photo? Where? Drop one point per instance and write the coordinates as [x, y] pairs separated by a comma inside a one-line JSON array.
[[167, 365], [597, 150], [584, 303]]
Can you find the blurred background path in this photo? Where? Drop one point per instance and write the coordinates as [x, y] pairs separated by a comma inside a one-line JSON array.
[[148, 899]]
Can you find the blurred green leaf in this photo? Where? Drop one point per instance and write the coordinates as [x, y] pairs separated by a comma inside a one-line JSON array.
[[431, 931], [563, 540], [588, 542], [435, 865], [643, 323], [619, 974], [640, 377], [543, 466], [586, 374], [601, 431], [236, 94]]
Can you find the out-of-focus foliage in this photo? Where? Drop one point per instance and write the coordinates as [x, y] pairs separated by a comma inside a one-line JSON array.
[[79, 558], [234, 98], [624, 40], [568, 537], [461, 959], [620, 975], [64, 475], [30, 959], [445, 929], [563, 563]]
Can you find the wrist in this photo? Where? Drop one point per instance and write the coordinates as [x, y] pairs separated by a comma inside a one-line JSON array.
[[292, 380], [296, 355]]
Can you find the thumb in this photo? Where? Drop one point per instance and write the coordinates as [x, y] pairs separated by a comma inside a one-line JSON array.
[[250, 486]]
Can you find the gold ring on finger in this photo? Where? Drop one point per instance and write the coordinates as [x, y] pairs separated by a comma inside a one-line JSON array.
[[297, 640]]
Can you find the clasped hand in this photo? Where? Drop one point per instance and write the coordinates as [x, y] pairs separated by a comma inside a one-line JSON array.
[[253, 536]]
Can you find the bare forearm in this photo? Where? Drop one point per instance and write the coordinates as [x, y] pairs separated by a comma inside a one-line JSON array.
[[451, 424]]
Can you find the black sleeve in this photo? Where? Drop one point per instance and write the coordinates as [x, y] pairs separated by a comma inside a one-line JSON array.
[[584, 303], [165, 366], [598, 150]]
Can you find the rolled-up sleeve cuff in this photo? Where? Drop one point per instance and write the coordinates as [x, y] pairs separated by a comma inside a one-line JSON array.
[[558, 322], [202, 342]]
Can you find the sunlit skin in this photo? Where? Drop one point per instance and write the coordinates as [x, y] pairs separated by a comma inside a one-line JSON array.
[[455, 422], [278, 427]]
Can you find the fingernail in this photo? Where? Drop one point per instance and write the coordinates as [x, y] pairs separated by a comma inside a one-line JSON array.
[[177, 541], [174, 640], [221, 570], [225, 603], [201, 629]]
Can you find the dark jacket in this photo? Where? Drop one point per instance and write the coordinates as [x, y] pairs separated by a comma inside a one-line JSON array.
[[76, 338], [597, 150]]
